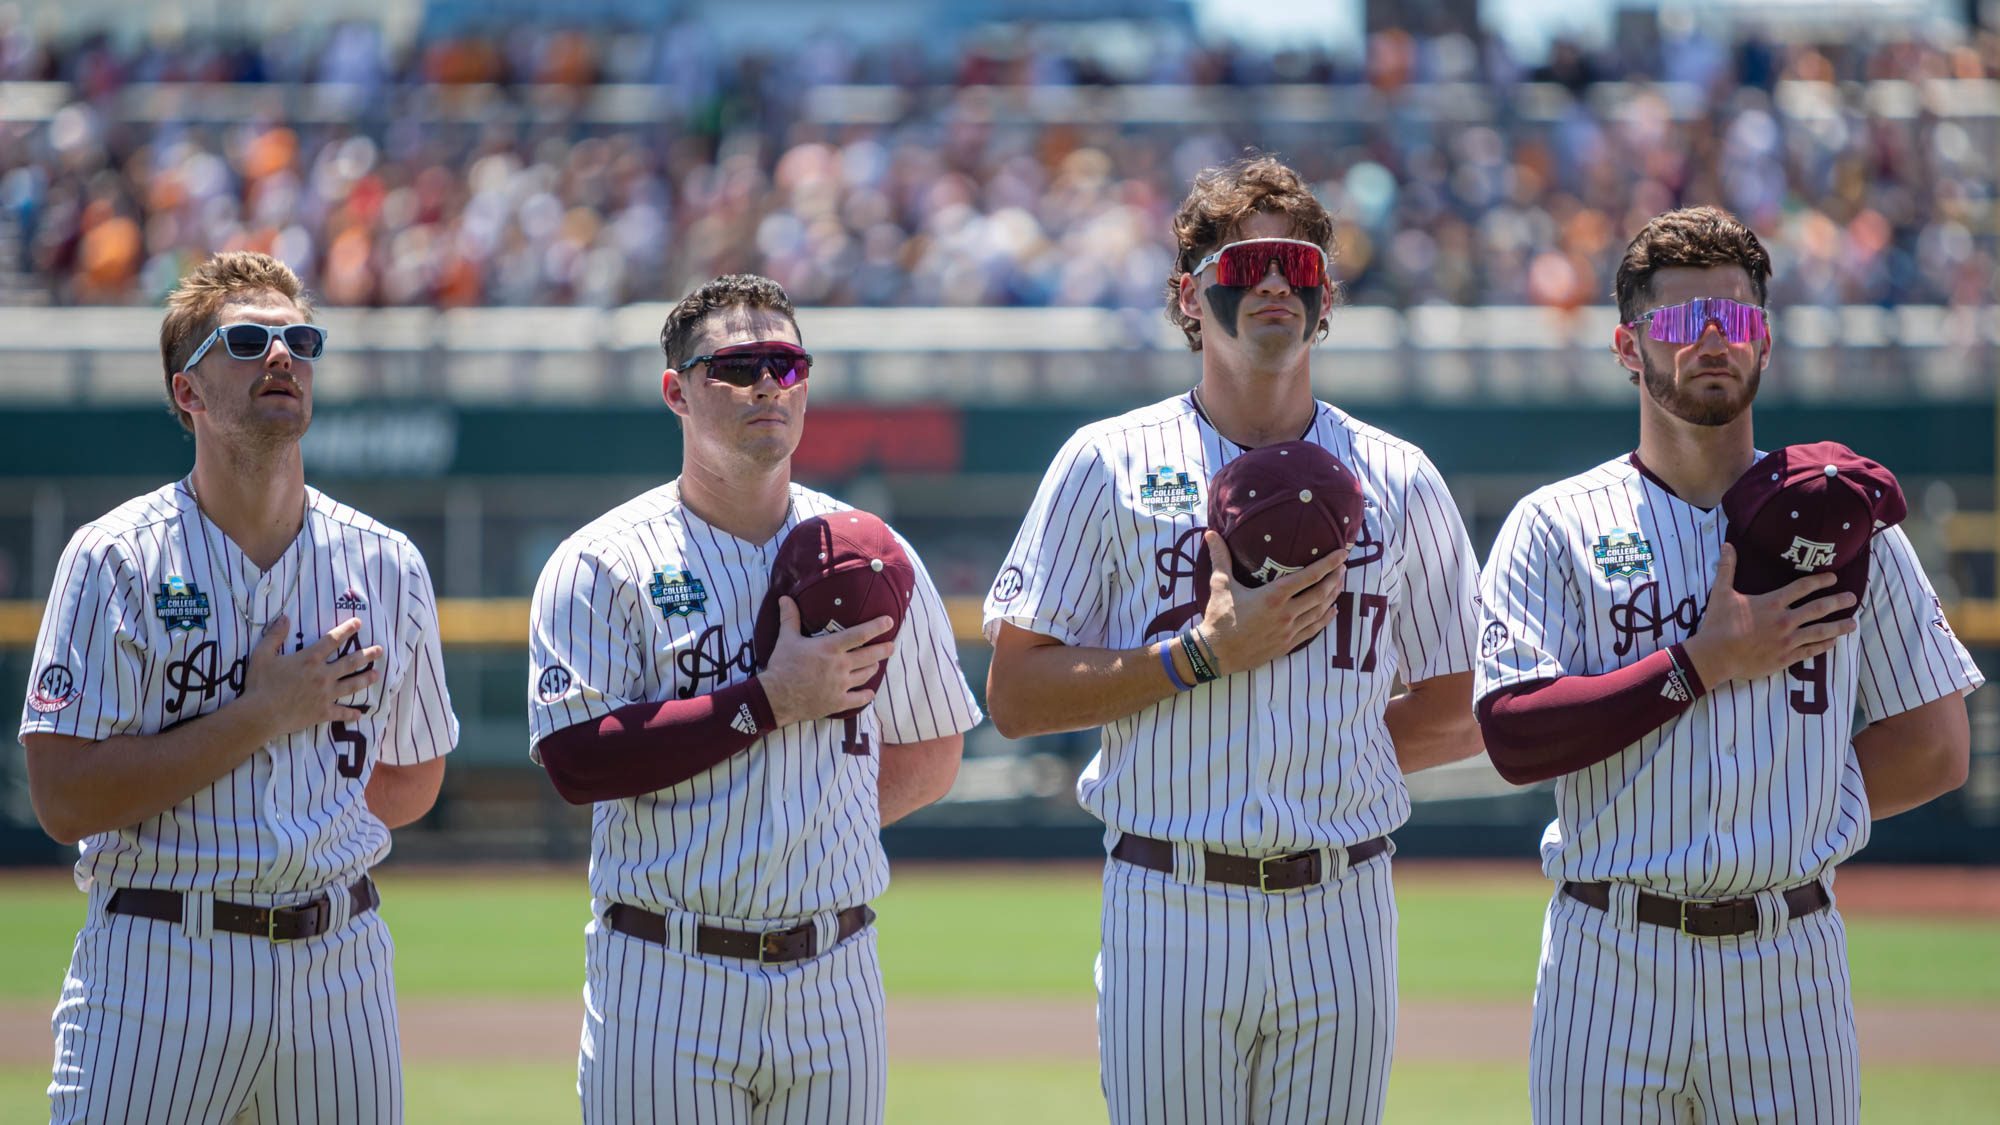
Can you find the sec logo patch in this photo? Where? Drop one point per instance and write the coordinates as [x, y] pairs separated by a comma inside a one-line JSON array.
[[1492, 639], [553, 683], [1008, 586], [55, 689]]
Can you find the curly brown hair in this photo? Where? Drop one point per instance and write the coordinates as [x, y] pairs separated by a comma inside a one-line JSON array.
[[1221, 199], [731, 291], [1688, 238], [196, 303]]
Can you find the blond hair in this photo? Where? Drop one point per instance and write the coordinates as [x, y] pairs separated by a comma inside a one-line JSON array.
[[195, 305]]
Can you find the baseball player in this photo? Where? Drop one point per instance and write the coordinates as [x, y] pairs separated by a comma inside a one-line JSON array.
[[237, 692], [1681, 638], [1248, 962], [730, 965]]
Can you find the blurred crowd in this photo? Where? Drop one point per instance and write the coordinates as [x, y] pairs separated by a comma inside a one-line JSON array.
[[955, 201]]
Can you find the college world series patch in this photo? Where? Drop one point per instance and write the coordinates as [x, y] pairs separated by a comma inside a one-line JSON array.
[[677, 592], [1624, 554], [181, 604], [1166, 492]]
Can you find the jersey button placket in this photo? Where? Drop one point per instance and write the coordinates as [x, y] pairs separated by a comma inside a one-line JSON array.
[[257, 614], [1722, 763]]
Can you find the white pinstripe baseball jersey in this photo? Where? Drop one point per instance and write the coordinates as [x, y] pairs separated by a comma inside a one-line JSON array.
[[649, 602], [1755, 786], [1290, 755], [150, 624]]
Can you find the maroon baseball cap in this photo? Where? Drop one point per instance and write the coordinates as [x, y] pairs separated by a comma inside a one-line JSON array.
[[843, 569], [1807, 509], [1279, 508]]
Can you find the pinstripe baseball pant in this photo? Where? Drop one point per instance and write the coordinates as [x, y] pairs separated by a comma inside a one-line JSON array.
[[1639, 1023], [672, 1036], [164, 1023], [1227, 1004]]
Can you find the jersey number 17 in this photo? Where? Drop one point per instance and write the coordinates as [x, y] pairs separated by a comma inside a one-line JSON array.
[[1349, 626]]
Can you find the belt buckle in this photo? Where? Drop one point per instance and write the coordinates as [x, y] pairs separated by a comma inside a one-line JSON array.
[[1264, 871], [1687, 902], [770, 938], [294, 911]]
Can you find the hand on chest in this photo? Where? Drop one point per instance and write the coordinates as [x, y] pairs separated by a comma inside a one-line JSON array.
[[204, 638], [1159, 570]]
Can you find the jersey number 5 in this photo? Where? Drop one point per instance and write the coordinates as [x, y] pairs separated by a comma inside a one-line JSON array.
[[1810, 697], [353, 753], [1348, 627]]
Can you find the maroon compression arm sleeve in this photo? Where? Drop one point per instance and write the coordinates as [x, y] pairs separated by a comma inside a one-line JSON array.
[[1547, 728], [644, 747]]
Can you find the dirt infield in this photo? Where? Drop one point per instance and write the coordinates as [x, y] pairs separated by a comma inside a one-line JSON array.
[[959, 1030]]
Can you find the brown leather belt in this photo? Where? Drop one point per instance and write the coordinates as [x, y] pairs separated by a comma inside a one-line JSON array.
[[1727, 917], [1270, 873], [278, 923], [769, 947]]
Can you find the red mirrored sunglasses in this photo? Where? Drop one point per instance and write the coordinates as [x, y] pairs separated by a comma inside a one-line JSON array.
[[742, 365], [1245, 263]]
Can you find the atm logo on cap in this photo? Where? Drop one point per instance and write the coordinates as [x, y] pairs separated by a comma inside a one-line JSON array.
[[1272, 570], [1808, 555], [1624, 554]]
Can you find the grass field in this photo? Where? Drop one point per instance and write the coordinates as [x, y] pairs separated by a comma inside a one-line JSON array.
[[1020, 933], [1037, 933]]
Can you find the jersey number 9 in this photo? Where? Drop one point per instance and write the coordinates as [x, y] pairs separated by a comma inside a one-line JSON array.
[[1810, 698]]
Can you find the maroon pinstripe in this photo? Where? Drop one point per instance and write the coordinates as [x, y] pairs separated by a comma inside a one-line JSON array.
[[1290, 756], [160, 1022], [1753, 789], [786, 832]]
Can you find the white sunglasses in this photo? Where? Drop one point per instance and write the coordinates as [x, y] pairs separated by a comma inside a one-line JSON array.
[[251, 341]]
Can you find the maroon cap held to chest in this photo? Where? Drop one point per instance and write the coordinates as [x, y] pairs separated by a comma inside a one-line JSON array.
[[1810, 509], [843, 569], [1279, 508]]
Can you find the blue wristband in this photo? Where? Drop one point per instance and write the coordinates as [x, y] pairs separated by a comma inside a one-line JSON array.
[[1173, 673], [1203, 670]]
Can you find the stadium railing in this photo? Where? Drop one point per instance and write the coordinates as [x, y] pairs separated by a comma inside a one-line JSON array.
[[1432, 353]]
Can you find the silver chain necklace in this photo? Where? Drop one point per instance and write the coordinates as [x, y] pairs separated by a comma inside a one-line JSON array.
[[229, 583]]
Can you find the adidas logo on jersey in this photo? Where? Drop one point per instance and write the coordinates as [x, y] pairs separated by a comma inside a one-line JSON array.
[[744, 720], [1676, 688], [350, 602]]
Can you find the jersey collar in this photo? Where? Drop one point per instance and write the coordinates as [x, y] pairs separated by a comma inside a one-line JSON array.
[[1194, 404]]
